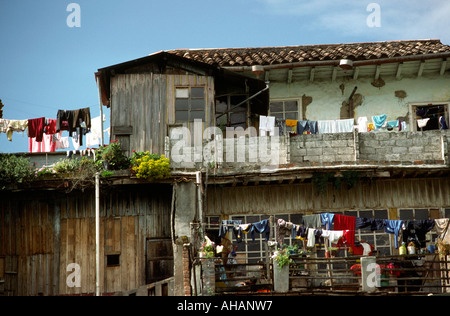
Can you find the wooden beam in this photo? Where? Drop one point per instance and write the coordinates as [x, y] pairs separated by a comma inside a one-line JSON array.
[[267, 75], [289, 77], [333, 76], [311, 74], [398, 76], [377, 72], [443, 66], [356, 73], [420, 72]]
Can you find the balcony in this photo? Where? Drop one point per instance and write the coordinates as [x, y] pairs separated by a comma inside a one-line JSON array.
[[427, 150]]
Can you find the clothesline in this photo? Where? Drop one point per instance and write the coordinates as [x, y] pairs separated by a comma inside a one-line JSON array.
[[312, 225], [45, 135]]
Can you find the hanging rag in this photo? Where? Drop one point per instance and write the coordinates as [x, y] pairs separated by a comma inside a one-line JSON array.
[[346, 223], [36, 128], [261, 227], [311, 238], [231, 225], [379, 120], [283, 227], [15, 126], [393, 227], [415, 231], [332, 235], [443, 122], [362, 124], [423, 122], [312, 221], [443, 229], [327, 219]]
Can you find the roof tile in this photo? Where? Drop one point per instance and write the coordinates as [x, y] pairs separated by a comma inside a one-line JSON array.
[[289, 54]]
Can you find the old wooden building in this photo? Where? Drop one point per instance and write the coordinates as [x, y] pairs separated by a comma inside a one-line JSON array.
[[150, 231]]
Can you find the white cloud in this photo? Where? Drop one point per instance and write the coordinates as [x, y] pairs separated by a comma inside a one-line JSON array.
[[400, 19]]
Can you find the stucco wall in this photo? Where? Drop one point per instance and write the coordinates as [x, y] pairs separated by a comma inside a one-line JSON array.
[[328, 97]]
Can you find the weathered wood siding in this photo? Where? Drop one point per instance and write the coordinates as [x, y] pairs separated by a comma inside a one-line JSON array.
[[41, 234], [300, 198], [142, 107]]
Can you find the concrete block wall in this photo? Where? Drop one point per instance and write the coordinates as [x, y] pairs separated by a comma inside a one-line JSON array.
[[322, 148], [429, 146]]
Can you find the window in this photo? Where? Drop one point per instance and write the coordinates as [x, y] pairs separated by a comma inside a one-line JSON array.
[[284, 110], [190, 103], [112, 260], [426, 117], [227, 114]]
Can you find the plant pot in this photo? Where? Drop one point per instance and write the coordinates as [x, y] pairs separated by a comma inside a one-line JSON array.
[[281, 279]]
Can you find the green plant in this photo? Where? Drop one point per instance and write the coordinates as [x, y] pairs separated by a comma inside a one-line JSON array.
[[15, 169], [113, 156], [283, 257], [150, 166]]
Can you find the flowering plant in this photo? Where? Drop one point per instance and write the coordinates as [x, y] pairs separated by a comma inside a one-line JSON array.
[[44, 171], [282, 257], [150, 166], [209, 248]]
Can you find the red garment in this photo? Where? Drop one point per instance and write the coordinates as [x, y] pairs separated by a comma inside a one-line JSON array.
[[347, 224], [46, 144], [36, 128]]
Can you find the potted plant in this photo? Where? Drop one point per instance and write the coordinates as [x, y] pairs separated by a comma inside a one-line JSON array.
[[112, 157], [208, 249], [282, 258]]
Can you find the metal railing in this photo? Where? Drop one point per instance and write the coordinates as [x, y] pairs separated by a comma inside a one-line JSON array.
[[394, 275]]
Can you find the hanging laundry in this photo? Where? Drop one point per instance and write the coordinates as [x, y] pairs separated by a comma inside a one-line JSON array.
[[283, 227], [443, 229], [280, 124], [345, 126], [15, 126], [36, 128], [47, 144], [393, 227], [392, 124], [80, 118], [312, 221], [362, 124], [332, 235], [415, 231], [443, 123], [422, 112], [423, 122], [231, 226], [267, 124], [335, 126], [60, 142], [3, 125], [327, 219], [311, 238], [379, 121], [326, 127], [261, 227], [344, 222]]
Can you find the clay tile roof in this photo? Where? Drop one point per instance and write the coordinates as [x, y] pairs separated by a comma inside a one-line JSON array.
[[228, 57]]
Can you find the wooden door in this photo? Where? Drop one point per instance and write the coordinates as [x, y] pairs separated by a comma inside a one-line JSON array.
[[159, 259]]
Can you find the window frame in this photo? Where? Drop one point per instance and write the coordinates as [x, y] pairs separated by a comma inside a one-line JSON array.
[[413, 117], [190, 98]]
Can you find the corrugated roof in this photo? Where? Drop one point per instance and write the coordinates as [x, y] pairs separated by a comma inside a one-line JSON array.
[[231, 57]]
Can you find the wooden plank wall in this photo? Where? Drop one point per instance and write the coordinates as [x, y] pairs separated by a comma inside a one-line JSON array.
[[41, 234], [301, 198], [145, 101]]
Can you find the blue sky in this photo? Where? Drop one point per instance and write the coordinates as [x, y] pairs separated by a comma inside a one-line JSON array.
[[45, 65]]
